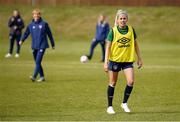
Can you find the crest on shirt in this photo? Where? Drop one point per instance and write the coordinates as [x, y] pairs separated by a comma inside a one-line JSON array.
[[19, 20], [40, 26], [33, 27]]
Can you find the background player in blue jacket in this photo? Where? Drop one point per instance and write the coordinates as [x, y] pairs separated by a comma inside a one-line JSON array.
[[16, 25], [39, 31], [102, 30]]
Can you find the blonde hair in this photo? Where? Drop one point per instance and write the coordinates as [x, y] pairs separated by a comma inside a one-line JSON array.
[[15, 10], [120, 12], [36, 11]]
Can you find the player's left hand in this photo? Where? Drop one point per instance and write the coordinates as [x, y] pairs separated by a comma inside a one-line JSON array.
[[139, 63]]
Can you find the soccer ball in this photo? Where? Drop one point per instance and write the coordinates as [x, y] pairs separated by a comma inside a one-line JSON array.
[[84, 59]]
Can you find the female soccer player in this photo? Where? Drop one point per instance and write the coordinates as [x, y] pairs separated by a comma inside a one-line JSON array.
[[16, 25], [120, 55], [102, 30], [39, 31]]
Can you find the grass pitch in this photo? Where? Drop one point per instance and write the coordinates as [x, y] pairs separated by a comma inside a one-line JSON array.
[[76, 91]]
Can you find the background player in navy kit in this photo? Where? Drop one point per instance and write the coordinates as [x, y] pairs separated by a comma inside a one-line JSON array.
[[39, 31], [16, 25], [102, 30]]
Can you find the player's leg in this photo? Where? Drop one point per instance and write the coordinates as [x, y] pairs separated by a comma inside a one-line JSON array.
[[103, 50], [93, 45], [18, 37], [129, 74], [11, 46], [34, 51], [112, 83], [12, 39], [41, 72], [110, 91], [113, 68], [38, 68]]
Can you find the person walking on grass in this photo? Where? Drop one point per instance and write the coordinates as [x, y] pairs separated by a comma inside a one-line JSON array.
[[121, 47], [16, 24], [102, 30], [39, 30]]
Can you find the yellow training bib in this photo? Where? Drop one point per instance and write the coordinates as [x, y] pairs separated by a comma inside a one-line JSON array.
[[122, 47]]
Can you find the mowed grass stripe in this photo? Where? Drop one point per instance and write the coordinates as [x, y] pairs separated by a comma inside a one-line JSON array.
[[86, 65]]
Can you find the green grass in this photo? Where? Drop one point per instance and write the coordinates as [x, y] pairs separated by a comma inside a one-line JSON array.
[[76, 91]]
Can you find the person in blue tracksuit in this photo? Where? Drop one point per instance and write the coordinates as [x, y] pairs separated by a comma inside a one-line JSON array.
[[39, 31], [102, 30], [16, 24]]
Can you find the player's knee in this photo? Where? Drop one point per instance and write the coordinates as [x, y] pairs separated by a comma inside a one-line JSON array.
[[130, 83], [38, 63]]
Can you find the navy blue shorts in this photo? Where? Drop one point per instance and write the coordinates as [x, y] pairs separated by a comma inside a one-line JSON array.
[[118, 66]]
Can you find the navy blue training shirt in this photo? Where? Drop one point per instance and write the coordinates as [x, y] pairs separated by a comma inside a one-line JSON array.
[[39, 31]]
